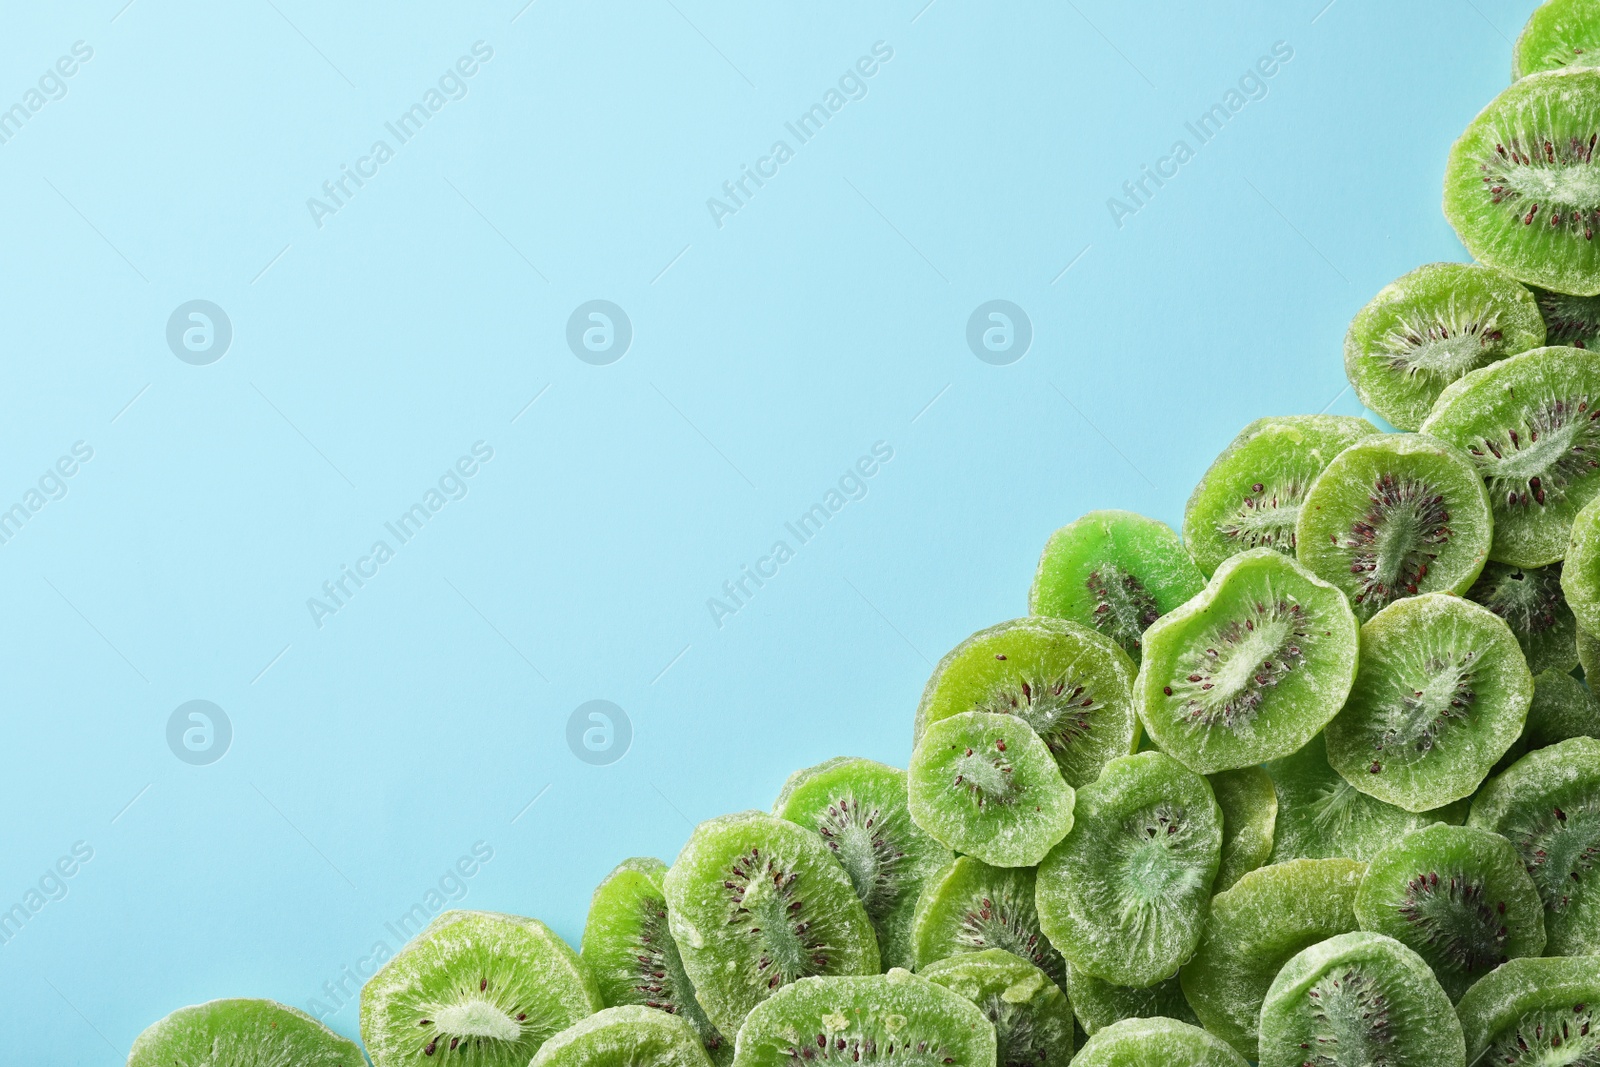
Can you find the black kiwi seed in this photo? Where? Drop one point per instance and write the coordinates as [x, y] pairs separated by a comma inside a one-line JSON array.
[[1266, 517], [1411, 509], [1570, 417], [789, 914], [1282, 620], [1124, 608], [1455, 915], [1060, 713]]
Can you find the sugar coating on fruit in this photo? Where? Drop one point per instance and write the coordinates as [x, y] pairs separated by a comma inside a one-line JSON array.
[[1562, 708], [1531, 602], [1070, 684], [1249, 805], [629, 1034], [242, 1032], [1157, 1042], [1098, 1003], [896, 1018], [1580, 572], [972, 907], [1559, 33], [1534, 1012], [1032, 1018], [1322, 816], [1570, 320]]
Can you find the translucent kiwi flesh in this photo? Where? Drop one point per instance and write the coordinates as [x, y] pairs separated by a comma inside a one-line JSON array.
[[1032, 1018], [1249, 804], [972, 907], [625, 1036], [242, 1033], [1535, 1012], [1156, 1042], [1559, 33]]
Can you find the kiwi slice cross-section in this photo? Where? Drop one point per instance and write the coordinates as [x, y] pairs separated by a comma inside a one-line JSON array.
[[626, 1036], [1250, 669], [754, 903], [1125, 894], [1535, 1011], [1250, 496], [1457, 896], [973, 907], [1249, 804], [985, 785], [1520, 187], [1559, 33], [1425, 330], [629, 949], [1156, 1042], [1070, 683], [1393, 516], [1115, 571], [1442, 693], [242, 1033], [861, 810], [1098, 1003], [1548, 805], [1562, 708], [1359, 1000], [1531, 601], [1531, 424], [487, 987], [1580, 572], [1031, 1016], [896, 1018], [1254, 929], [1573, 321]]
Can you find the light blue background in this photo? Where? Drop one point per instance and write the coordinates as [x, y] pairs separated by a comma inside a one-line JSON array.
[[768, 354]]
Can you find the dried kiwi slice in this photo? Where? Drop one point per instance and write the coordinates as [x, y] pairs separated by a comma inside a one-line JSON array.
[[1573, 321], [1533, 1012], [1250, 496], [972, 907], [862, 811], [1073, 685], [1031, 1016], [629, 949], [1322, 816], [1458, 897], [1548, 805], [1098, 1003], [1442, 693], [491, 987], [1254, 929], [1250, 669], [755, 903], [1393, 516], [1559, 33], [1562, 707], [1532, 426], [1249, 806], [1359, 1000], [1124, 896], [894, 1018], [1519, 187], [624, 1036], [242, 1033], [1425, 330], [1115, 571], [986, 786], [1156, 1043], [1532, 603], [1580, 572]]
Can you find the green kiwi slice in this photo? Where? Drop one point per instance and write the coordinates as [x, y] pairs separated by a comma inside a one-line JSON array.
[[1098, 1003], [1442, 693], [1071, 684], [1031, 1016], [861, 810], [1559, 33], [1588, 655], [1115, 571], [1250, 496], [242, 1033], [1548, 805], [754, 903], [490, 987], [627, 1036], [1141, 1042], [1249, 804], [1425, 330], [1359, 1000], [1562, 707], [1125, 894], [1322, 816], [1393, 516], [1250, 669], [1580, 572], [985, 785], [1535, 1011], [1573, 321], [1531, 424], [1458, 897], [1253, 930], [896, 1018], [972, 907], [629, 949], [1532, 603], [1519, 187]]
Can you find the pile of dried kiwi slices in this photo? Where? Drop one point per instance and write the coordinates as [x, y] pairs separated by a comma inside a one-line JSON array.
[[1315, 784]]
